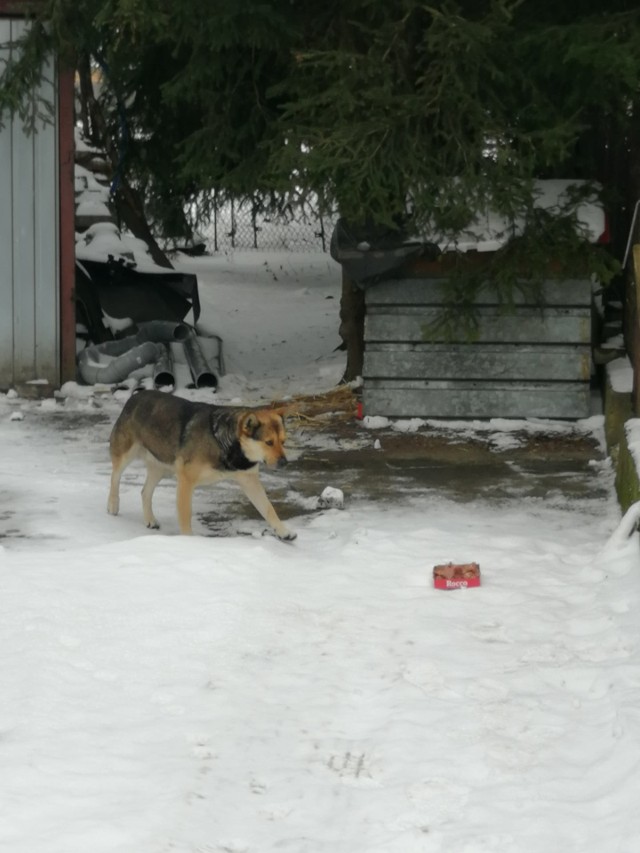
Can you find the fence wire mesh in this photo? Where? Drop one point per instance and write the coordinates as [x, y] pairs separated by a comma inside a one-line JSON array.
[[246, 225]]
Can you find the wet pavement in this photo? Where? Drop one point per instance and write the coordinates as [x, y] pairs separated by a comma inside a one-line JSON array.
[[565, 463], [551, 462]]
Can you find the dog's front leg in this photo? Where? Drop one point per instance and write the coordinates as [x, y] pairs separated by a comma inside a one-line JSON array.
[[154, 475], [184, 496], [254, 490]]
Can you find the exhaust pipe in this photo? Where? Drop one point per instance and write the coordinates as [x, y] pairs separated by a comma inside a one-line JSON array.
[[150, 345], [163, 375], [162, 331], [129, 355], [203, 376]]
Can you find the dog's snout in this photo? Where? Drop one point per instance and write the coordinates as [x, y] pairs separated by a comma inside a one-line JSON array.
[[282, 462]]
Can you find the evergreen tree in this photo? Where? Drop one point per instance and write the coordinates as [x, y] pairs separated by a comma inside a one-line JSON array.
[[403, 112]]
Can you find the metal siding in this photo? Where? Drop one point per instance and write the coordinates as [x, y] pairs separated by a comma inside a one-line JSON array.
[[432, 291], [28, 240], [451, 361], [6, 233], [527, 325], [476, 400], [534, 362], [23, 254]]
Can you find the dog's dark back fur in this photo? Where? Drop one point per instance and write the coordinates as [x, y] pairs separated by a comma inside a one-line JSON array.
[[165, 422]]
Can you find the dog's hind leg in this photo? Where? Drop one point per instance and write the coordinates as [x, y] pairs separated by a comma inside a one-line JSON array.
[[254, 490], [154, 475], [184, 497], [119, 463]]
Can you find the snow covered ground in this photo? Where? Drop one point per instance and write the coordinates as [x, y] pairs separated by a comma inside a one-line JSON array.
[[277, 314], [236, 694]]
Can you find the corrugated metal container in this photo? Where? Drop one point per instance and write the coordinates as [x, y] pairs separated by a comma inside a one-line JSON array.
[[534, 362], [29, 244]]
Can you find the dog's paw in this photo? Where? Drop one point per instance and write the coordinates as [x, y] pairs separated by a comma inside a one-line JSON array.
[[287, 536], [153, 525]]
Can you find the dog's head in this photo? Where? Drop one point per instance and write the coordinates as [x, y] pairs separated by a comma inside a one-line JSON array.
[[262, 437]]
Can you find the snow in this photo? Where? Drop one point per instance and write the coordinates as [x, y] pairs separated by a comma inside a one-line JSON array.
[[331, 497], [620, 375], [166, 694], [254, 302], [491, 231], [632, 430], [104, 239], [91, 197]]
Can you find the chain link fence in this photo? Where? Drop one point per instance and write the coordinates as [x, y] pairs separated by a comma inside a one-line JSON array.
[[247, 225]]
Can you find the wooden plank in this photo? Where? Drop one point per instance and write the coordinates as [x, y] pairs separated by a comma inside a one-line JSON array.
[[476, 399], [430, 291], [527, 325], [477, 262], [477, 361], [66, 229], [6, 233], [15, 8]]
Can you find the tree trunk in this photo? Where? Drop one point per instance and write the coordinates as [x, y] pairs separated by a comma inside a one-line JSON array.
[[86, 93], [352, 327], [130, 211], [129, 205]]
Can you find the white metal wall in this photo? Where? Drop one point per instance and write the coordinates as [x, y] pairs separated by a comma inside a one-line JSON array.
[[29, 245]]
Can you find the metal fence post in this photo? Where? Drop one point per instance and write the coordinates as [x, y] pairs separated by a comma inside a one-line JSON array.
[[321, 232], [254, 211], [215, 220], [232, 233]]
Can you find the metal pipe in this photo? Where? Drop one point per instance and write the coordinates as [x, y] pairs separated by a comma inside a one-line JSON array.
[[162, 331], [148, 345], [203, 375], [163, 375], [129, 355]]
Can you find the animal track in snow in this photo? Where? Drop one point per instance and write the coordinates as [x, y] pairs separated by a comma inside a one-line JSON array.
[[350, 766]]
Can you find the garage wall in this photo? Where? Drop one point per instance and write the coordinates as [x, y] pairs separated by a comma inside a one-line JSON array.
[[29, 244]]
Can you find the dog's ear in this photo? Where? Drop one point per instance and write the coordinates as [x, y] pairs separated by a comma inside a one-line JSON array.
[[283, 411], [250, 424]]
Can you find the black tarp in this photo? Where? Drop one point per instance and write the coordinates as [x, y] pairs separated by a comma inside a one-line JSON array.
[[118, 289]]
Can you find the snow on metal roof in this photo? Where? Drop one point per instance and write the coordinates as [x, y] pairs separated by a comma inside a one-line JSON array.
[[489, 232]]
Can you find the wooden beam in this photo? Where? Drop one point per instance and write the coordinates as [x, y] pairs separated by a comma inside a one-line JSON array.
[[66, 230], [633, 327], [17, 8]]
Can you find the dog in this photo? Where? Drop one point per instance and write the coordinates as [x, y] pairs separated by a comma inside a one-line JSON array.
[[197, 443]]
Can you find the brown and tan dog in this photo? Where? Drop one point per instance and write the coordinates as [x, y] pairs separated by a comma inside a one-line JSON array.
[[197, 443]]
